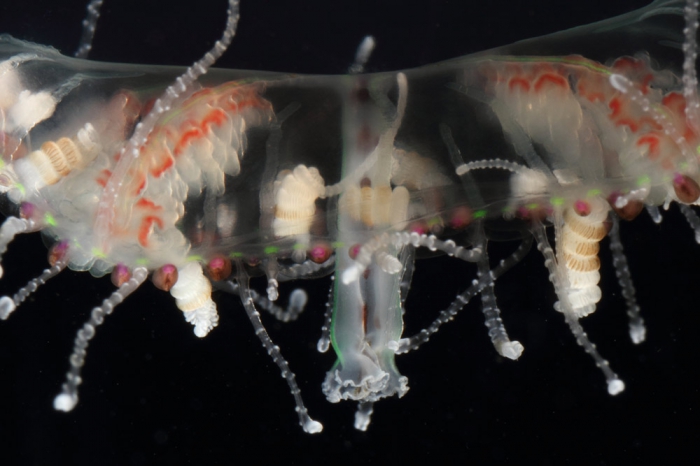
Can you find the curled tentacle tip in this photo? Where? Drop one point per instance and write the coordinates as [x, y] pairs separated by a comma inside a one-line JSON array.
[[65, 402], [615, 386], [298, 299], [511, 350], [272, 293], [361, 422], [7, 306], [322, 345], [404, 346], [312, 427], [638, 334]]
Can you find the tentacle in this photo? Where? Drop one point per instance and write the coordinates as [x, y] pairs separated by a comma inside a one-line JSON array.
[[68, 397], [654, 213], [492, 314], [559, 280], [89, 25], [373, 250], [690, 52], [8, 305], [363, 415], [325, 341], [364, 51], [182, 86], [307, 423], [296, 303], [636, 322], [693, 219], [13, 226], [412, 343], [307, 269]]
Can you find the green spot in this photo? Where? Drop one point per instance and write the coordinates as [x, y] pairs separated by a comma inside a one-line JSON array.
[[507, 209], [557, 200], [568, 60], [480, 214], [142, 261], [235, 255], [434, 221], [643, 180], [593, 192], [697, 149], [20, 186], [194, 258], [271, 250], [299, 247], [50, 220], [337, 244], [532, 206], [97, 252]]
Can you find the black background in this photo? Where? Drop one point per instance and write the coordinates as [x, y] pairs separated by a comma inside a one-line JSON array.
[[155, 394]]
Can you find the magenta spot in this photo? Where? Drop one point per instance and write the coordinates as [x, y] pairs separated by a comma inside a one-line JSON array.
[[120, 275], [219, 268], [354, 251], [418, 228], [27, 210], [58, 252], [320, 253], [165, 277], [216, 263], [461, 218], [582, 208]]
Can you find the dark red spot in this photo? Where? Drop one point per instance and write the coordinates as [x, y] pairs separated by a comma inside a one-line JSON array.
[[354, 250], [27, 210], [58, 252], [120, 275], [219, 268], [461, 218], [582, 208], [320, 253], [686, 189], [165, 277]]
